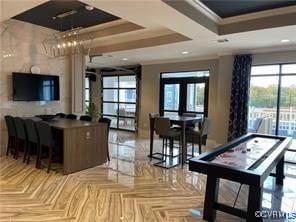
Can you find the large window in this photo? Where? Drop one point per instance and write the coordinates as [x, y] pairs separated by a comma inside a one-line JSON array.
[[273, 94], [184, 92], [119, 100]]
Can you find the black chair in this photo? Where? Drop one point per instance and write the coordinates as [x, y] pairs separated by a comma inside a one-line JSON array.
[[33, 138], [45, 140], [71, 116], [167, 133], [108, 121], [21, 136], [86, 118], [11, 144], [61, 115]]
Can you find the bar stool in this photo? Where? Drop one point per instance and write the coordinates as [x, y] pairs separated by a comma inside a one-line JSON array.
[[164, 130], [21, 136], [61, 115], [71, 116], [156, 155], [45, 140], [33, 139], [11, 130], [85, 118], [108, 121], [200, 135]]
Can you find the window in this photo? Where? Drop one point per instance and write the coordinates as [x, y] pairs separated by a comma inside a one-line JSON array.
[[273, 94], [119, 100], [182, 92]]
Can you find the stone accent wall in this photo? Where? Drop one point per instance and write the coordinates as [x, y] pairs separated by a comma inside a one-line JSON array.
[[21, 47]]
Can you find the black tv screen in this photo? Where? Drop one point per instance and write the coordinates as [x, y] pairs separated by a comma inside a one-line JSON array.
[[35, 87]]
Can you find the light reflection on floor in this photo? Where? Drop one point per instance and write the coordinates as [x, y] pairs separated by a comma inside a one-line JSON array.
[[128, 150]]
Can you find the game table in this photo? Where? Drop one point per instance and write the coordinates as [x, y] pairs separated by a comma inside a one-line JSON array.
[[247, 160]]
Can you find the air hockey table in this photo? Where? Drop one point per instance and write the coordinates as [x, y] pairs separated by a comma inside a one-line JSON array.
[[247, 160]]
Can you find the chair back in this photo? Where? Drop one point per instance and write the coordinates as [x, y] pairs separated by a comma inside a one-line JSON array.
[[10, 125], [105, 120], [20, 128], [85, 118], [205, 126], [45, 133], [152, 117], [61, 115], [162, 126], [108, 121], [71, 116], [31, 131]]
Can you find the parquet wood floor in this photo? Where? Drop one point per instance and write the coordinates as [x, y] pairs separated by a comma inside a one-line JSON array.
[[128, 189]]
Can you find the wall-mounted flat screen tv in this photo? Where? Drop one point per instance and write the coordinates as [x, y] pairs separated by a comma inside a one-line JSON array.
[[35, 87]]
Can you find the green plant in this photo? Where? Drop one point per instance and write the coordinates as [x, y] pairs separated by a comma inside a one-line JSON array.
[[92, 110]]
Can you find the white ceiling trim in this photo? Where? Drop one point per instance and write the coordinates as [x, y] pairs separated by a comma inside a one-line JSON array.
[[256, 15]]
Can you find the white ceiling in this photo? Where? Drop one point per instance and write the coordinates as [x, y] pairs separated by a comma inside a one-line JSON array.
[[156, 15]]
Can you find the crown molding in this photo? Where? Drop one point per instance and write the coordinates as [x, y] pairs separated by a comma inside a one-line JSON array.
[[205, 10]]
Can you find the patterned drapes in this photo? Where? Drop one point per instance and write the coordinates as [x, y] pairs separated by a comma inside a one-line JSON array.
[[238, 117]]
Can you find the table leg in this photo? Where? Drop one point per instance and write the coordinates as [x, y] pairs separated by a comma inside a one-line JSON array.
[[184, 150], [211, 198], [151, 142], [254, 204], [280, 172]]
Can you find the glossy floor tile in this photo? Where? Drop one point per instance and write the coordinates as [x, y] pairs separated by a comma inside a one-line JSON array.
[[128, 188]]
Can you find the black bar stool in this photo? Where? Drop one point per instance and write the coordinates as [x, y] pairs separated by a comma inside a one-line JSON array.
[[85, 118], [33, 138], [11, 130], [21, 136], [108, 121], [45, 140]]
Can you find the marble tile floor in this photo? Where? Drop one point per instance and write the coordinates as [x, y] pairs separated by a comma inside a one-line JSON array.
[[128, 188]]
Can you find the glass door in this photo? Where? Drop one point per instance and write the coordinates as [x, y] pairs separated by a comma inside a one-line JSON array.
[[287, 112], [119, 100], [179, 94], [171, 99], [195, 97]]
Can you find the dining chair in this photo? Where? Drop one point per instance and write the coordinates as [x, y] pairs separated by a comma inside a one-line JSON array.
[[108, 121], [12, 136], [21, 136], [167, 133], [199, 135], [61, 115], [71, 116], [33, 139], [45, 141], [86, 118]]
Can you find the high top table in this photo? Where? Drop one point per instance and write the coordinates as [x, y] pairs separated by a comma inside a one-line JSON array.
[[84, 143], [182, 121]]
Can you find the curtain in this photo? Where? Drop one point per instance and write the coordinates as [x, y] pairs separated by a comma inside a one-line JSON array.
[[238, 116]]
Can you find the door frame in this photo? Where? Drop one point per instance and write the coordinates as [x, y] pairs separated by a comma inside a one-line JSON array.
[[183, 93]]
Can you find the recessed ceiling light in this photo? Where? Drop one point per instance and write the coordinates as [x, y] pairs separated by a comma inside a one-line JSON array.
[[285, 40], [185, 52], [124, 59], [89, 7]]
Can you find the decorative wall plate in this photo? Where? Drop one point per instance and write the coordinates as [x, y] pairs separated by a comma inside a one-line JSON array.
[[35, 69]]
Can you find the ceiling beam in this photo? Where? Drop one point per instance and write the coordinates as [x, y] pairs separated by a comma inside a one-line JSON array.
[[116, 27], [141, 43]]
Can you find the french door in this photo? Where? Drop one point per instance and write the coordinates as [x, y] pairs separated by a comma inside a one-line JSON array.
[[184, 95]]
